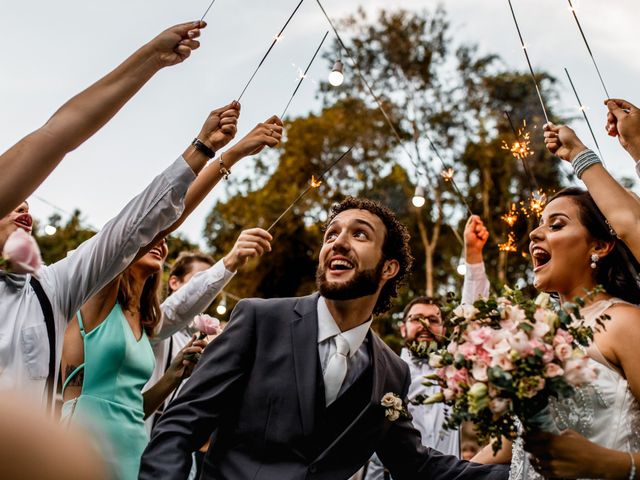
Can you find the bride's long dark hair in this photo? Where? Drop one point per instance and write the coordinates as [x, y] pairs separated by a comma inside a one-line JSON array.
[[618, 271]]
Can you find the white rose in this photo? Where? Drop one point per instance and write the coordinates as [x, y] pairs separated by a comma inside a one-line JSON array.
[[543, 300], [392, 414]]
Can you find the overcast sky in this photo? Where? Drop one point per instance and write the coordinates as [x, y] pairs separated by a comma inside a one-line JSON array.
[[52, 50]]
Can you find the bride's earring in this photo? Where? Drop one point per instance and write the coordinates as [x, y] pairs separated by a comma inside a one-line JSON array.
[[594, 260]]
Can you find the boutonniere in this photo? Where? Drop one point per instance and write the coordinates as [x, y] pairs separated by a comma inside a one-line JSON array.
[[393, 407]]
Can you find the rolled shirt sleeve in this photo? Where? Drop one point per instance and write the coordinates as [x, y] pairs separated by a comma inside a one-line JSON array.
[[476, 283], [86, 270]]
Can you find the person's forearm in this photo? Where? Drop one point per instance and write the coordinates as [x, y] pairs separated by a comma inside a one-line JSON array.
[[614, 465], [619, 206], [31, 160], [157, 394]]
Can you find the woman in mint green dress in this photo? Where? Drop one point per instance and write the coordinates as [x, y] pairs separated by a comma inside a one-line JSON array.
[[107, 359]]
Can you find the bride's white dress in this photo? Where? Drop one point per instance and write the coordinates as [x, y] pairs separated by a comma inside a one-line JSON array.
[[604, 411]]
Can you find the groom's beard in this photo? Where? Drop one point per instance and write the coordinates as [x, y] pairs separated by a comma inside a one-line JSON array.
[[363, 283]]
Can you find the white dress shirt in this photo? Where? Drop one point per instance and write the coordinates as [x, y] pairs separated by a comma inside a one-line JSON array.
[[178, 311], [358, 360], [70, 282]]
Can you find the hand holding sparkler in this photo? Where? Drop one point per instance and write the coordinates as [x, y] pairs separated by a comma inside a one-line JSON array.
[[220, 127], [251, 243], [562, 141], [475, 238], [623, 121], [266, 134], [175, 44]]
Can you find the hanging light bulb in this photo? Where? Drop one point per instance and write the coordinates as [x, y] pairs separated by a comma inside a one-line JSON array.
[[462, 268], [418, 199], [221, 309], [336, 77], [50, 230]]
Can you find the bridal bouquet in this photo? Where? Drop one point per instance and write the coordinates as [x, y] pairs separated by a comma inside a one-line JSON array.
[[505, 357]]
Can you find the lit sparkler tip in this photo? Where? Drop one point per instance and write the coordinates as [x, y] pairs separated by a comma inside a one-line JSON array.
[[447, 174], [278, 38], [315, 182], [510, 245], [511, 217]]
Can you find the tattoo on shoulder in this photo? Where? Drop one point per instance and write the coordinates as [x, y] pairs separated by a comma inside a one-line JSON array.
[[77, 379]]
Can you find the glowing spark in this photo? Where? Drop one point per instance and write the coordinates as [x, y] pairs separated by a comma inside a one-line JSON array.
[[511, 217], [278, 38], [537, 202], [582, 108], [314, 182], [447, 174], [510, 245], [521, 148]]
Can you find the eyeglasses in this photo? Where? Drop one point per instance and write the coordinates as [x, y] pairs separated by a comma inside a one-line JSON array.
[[418, 318]]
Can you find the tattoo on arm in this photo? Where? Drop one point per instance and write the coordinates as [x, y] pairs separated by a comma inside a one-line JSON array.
[[77, 379]]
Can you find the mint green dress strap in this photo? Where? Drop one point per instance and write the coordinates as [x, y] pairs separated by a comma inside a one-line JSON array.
[[81, 366]]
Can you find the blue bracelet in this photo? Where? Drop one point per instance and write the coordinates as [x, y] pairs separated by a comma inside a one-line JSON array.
[[584, 160]]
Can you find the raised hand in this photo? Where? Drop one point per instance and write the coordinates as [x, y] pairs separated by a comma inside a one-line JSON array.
[[185, 361], [475, 238], [175, 44], [623, 121], [266, 134], [562, 141], [251, 243], [221, 126]]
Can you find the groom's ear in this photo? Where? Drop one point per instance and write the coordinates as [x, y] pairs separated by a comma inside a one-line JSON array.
[[390, 269]]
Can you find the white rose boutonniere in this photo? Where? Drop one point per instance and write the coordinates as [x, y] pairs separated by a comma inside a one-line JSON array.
[[393, 408]]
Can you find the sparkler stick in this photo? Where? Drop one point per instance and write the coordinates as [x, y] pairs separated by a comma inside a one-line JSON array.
[[314, 183], [526, 55], [533, 183], [573, 10], [584, 113], [386, 115], [304, 75], [275, 40], [207, 10]]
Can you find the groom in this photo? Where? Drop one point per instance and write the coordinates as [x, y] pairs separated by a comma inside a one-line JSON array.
[[293, 387]]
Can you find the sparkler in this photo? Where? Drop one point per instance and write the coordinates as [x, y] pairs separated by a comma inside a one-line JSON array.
[[584, 113], [315, 182], [510, 245], [511, 217], [521, 149], [537, 202], [575, 16], [207, 10], [526, 55], [302, 76], [276, 39]]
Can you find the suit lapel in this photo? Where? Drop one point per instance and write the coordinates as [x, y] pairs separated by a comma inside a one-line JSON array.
[[304, 335]]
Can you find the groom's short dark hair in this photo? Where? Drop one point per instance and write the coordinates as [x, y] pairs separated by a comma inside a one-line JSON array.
[[395, 246]]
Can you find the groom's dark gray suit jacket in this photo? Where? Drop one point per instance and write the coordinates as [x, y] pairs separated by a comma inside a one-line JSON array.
[[259, 387]]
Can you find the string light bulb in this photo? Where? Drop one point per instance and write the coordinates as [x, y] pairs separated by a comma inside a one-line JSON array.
[[336, 77], [462, 268], [221, 309], [418, 199], [50, 230]]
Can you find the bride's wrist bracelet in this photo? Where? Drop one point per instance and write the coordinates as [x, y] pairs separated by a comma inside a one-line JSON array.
[[584, 160], [632, 470]]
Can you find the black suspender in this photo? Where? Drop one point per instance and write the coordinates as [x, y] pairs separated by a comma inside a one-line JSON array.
[[45, 304]]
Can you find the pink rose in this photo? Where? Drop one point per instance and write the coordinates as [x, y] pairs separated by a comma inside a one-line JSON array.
[[515, 314], [548, 355], [480, 335], [520, 343], [563, 351], [562, 336], [467, 350], [552, 370], [577, 372], [448, 394], [22, 253], [540, 329], [479, 371], [206, 324]]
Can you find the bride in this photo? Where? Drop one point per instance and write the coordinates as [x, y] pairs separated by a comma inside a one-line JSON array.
[[573, 250]]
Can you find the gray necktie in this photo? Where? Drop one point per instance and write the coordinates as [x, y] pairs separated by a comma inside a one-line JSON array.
[[336, 370], [14, 280]]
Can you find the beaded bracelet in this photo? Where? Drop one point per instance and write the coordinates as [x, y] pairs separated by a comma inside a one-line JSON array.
[[224, 171], [632, 472], [584, 160]]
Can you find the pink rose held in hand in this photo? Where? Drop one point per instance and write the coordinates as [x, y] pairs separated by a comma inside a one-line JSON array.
[[206, 324], [22, 253]]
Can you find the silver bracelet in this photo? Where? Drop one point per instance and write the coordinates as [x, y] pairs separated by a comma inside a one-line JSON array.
[[584, 160], [632, 472]]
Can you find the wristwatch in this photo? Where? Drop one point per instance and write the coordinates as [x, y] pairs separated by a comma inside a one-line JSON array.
[[201, 147]]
